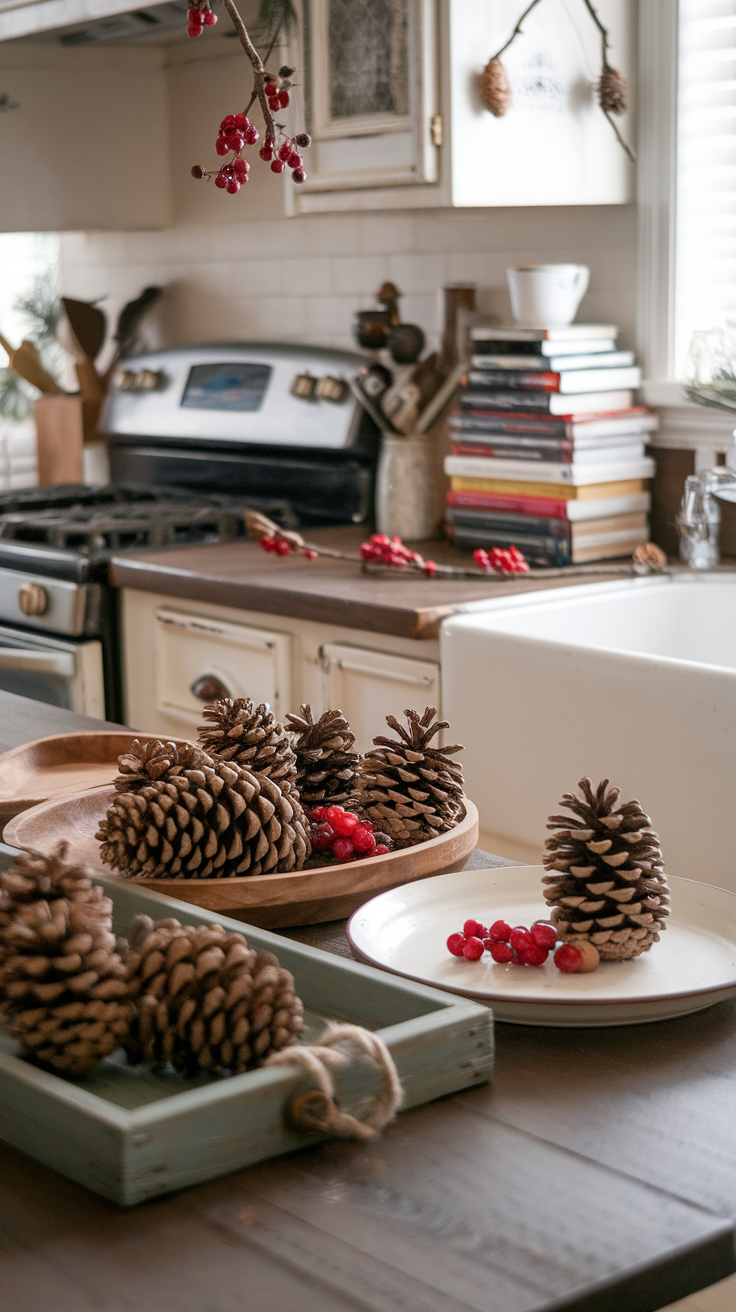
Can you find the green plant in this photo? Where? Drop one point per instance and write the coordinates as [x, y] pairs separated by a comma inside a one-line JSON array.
[[40, 306]]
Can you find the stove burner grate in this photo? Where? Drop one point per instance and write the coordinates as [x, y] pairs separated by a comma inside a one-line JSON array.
[[97, 530]]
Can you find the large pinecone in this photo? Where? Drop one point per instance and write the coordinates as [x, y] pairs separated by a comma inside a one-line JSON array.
[[410, 790], [608, 884], [33, 876], [326, 763], [182, 814], [204, 1000], [249, 735], [63, 982]]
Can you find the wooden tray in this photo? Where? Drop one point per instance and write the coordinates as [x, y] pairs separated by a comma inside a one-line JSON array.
[[273, 901], [62, 764], [131, 1134]]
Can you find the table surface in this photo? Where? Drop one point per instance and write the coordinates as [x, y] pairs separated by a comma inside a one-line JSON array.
[[596, 1173], [241, 574]]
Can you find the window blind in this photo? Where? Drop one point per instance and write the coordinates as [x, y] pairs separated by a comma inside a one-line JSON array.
[[705, 261]]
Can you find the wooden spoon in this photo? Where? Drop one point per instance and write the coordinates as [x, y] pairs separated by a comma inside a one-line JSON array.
[[27, 363]]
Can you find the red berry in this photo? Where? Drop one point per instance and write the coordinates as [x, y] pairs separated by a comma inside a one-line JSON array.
[[193, 30], [363, 840], [381, 850], [299, 175], [283, 548], [474, 929], [343, 824], [318, 814], [545, 936], [210, 19], [266, 152], [240, 121], [221, 147], [295, 160], [568, 958], [304, 140], [232, 186], [473, 949], [455, 944], [520, 938], [333, 812], [283, 99], [284, 152], [227, 122], [499, 931], [220, 181], [343, 849], [534, 955], [277, 166], [322, 837], [251, 134], [501, 952], [195, 15]]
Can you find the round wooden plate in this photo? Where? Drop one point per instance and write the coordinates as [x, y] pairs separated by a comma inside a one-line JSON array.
[[305, 897], [62, 764]]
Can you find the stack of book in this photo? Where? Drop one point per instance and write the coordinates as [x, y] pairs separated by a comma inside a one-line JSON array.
[[548, 446]]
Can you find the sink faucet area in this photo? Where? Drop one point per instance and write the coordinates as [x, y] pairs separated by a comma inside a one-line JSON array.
[[632, 680]]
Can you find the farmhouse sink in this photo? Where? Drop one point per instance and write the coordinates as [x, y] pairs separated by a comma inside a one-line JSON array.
[[633, 680]]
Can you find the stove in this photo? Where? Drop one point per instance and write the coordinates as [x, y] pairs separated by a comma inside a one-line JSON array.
[[59, 620]]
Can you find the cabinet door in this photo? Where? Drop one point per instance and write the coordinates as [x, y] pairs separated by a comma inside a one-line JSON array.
[[199, 659], [368, 685]]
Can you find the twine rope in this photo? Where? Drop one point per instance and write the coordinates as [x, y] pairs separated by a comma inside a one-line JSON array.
[[316, 1108]]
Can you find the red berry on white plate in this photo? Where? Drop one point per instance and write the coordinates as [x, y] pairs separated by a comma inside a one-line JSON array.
[[520, 938], [473, 949], [545, 936], [499, 931], [500, 951], [474, 929], [568, 958], [455, 944], [534, 955]]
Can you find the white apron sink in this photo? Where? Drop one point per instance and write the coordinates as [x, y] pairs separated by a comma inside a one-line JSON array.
[[633, 680]]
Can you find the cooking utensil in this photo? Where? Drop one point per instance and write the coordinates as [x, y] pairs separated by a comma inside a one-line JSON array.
[[405, 342], [370, 329], [26, 362], [87, 325], [129, 321]]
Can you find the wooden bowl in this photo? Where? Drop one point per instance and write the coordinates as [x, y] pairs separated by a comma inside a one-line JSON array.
[[305, 897], [60, 765]]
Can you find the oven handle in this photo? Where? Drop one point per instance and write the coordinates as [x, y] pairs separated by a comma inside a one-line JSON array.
[[41, 662]]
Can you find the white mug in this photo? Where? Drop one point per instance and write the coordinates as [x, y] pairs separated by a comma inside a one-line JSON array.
[[547, 295]]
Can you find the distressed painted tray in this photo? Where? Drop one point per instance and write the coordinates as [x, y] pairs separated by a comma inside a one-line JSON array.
[[131, 1135], [303, 897]]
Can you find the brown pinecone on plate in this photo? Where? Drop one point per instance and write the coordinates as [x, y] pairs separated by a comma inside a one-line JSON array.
[[409, 789], [181, 814], [606, 882], [204, 1000], [249, 735], [326, 763], [63, 981]]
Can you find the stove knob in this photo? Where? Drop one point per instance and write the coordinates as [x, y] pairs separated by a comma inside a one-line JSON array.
[[331, 389], [208, 688], [32, 598]]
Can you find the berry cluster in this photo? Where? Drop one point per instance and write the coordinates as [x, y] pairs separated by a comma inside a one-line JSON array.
[[522, 946], [277, 545], [382, 550], [277, 89], [235, 132], [498, 561], [287, 155], [333, 829], [200, 18]]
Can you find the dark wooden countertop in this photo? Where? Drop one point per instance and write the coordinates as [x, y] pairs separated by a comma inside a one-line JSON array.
[[596, 1174], [242, 575]]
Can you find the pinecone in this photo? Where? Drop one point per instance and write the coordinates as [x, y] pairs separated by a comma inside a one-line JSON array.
[[64, 983], [495, 88], [182, 814], [408, 789], [326, 764], [204, 1000], [610, 887], [613, 91], [250, 736], [33, 876]]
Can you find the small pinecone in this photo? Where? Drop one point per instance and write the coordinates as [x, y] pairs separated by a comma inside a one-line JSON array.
[[182, 814], [410, 790], [250, 736], [63, 981], [609, 886], [326, 764], [613, 91], [204, 1000], [495, 88], [33, 876]]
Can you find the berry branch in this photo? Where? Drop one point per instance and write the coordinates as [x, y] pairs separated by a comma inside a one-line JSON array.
[[236, 131]]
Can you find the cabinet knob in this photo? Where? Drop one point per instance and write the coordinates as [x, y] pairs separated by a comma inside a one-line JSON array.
[[208, 688], [32, 598]]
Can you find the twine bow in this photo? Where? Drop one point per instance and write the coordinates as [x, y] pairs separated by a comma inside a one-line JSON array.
[[316, 1109]]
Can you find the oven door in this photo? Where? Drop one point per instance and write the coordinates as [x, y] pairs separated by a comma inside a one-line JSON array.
[[54, 670]]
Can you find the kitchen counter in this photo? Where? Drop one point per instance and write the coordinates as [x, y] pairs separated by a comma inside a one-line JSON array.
[[242, 575], [596, 1173]]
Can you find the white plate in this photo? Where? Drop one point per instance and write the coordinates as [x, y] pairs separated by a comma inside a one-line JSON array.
[[693, 966]]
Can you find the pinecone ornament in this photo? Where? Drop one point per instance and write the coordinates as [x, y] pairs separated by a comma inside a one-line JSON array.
[[613, 91], [63, 982], [249, 735], [181, 814], [606, 881], [495, 88], [410, 790], [204, 1000], [326, 763]]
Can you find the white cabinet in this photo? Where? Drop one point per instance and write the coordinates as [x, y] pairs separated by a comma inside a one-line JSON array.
[[369, 685]]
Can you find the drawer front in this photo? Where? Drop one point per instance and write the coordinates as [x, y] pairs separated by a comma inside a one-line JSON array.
[[369, 685], [199, 659]]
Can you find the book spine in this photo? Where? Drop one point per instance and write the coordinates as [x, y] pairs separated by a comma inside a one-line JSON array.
[[541, 380], [510, 504], [470, 421], [542, 550], [496, 522], [506, 399], [561, 452]]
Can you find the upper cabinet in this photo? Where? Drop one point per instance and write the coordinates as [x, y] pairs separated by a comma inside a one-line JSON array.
[[392, 99]]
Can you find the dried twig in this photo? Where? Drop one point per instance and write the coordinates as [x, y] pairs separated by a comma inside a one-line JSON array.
[[517, 30]]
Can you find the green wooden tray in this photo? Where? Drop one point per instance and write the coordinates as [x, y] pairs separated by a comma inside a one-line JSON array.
[[131, 1135]]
